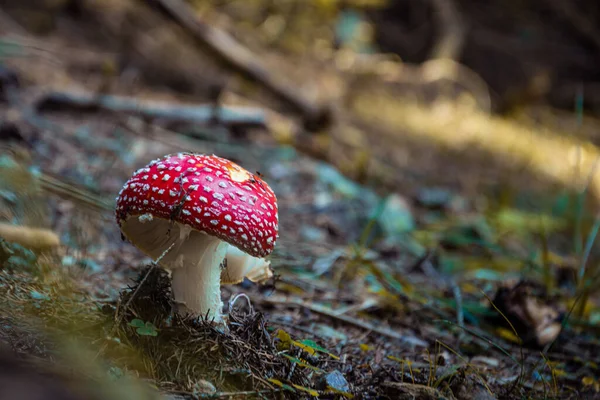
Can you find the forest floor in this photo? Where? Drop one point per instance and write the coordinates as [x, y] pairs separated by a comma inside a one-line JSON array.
[[402, 295]]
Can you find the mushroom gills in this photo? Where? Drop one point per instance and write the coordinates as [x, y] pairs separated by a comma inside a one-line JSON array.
[[194, 261]]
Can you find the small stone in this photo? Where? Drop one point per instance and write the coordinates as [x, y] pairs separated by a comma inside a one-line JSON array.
[[434, 197], [396, 217], [334, 380]]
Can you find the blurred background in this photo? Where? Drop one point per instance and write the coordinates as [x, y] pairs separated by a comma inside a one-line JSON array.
[[436, 159]]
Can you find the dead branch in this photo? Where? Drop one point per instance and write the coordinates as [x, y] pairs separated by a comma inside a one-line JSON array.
[[242, 61], [199, 114]]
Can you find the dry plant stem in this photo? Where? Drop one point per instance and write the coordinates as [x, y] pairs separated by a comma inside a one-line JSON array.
[[241, 60], [344, 318], [452, 36], [75, 193]]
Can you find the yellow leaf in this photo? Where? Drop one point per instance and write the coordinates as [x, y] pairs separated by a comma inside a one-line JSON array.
[[277, 382], [365, 347], [507, 334], [304, 347], [285, 339], [588, 381], [393, 358], [469, 288], [587, 309], [312, 392], [301, 363]]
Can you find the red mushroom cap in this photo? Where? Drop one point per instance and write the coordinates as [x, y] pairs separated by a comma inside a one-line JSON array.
[[209, 194]]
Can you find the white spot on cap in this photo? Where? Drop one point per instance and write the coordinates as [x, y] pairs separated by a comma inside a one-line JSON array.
[[227, 217], [223, 184], [145, 218], [166, 177], [203, 199], [214, 221], [218, 196]]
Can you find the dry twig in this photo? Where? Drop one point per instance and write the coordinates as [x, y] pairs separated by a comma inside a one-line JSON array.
[[200, 114], [241, 60], [345, 318]]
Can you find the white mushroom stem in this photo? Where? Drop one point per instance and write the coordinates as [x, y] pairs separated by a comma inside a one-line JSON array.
[[241, 265], [196, 282]]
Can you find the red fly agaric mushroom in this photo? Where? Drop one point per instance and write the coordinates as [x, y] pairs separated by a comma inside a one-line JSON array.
[[189, 212]]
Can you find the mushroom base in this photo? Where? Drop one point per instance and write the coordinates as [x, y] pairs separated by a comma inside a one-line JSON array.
[[193, 257]]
